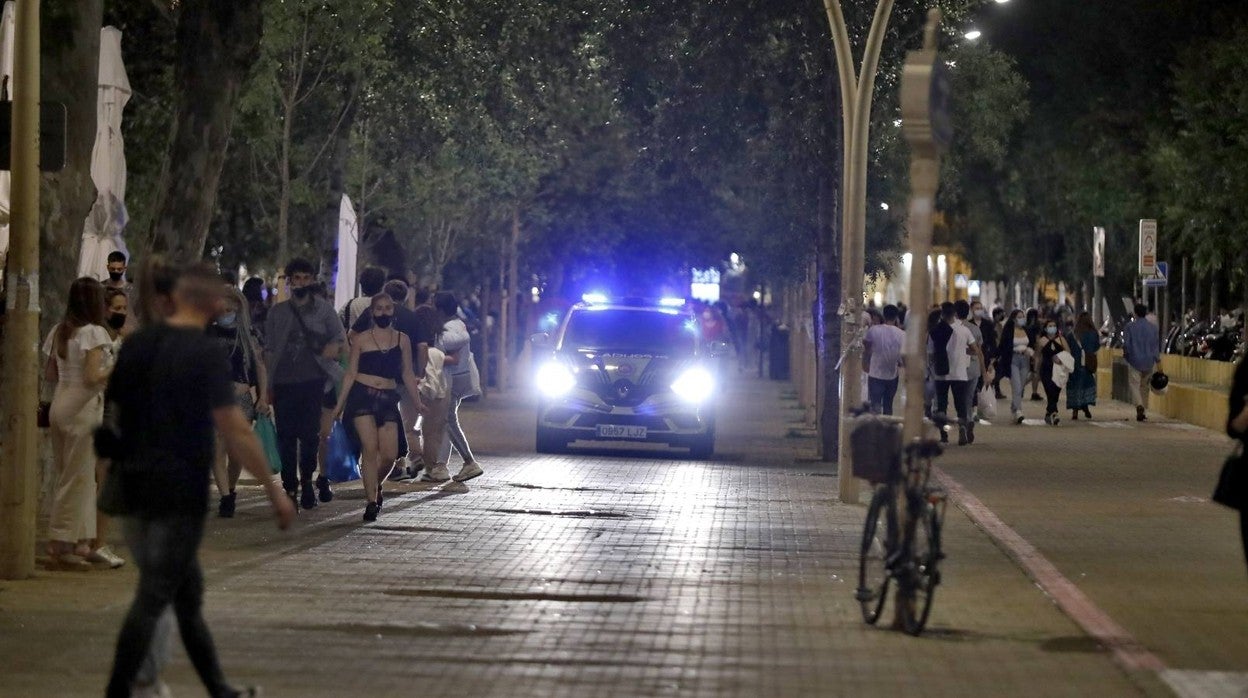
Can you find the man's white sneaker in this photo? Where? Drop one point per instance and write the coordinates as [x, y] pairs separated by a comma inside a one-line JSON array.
[[105, 557], [469, 471], [155, 690], [437, 473]]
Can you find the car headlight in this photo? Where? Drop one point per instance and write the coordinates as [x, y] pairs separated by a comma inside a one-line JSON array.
[[555, 380], [694, 385]]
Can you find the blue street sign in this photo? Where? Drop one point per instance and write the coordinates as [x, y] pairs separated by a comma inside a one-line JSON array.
[[1161, 278]]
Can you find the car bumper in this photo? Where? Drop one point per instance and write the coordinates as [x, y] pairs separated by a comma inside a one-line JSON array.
[[665, 421]]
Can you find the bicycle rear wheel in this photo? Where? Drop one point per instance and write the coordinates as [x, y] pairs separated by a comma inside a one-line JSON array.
[[919, 586], [878, 542]]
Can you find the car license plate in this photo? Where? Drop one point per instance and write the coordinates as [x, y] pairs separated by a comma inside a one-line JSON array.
[[616, 431]]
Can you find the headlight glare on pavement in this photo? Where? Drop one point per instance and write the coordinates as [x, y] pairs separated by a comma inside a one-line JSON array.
[[555, 380], [694, 385]]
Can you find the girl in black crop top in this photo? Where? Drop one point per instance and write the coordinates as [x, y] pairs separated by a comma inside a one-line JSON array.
[[381, 358]]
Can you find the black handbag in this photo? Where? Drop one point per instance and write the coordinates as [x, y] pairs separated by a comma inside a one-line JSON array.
[[1232, 488]]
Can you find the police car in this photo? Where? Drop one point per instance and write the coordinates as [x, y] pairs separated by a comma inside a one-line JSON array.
[[625, 371]]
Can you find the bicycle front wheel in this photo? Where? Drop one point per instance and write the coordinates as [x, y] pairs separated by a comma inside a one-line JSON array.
[[924, 575], [878, 537]]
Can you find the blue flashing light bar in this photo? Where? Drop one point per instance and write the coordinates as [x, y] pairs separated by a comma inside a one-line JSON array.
[[672, 302], [594, 298]]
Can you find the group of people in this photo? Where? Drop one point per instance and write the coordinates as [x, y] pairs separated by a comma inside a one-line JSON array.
[[156, 392], [971, 349]]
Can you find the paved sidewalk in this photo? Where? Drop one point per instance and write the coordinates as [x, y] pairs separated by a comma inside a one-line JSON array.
[[584, 574]]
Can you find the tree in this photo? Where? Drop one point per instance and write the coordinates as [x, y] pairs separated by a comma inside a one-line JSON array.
[[217, 42]]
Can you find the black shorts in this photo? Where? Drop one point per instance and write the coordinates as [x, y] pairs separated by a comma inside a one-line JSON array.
[[381, 405]]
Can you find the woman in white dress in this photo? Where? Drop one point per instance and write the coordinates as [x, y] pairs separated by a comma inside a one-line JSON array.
[[78, 351]]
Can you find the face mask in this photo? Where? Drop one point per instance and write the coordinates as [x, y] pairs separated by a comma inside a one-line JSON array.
[[1050, 331], [116, 275], [383, 321], [116, 320], [228, 320], [300, 292]]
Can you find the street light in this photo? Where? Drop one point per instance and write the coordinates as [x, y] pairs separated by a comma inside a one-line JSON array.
[[973, 34]]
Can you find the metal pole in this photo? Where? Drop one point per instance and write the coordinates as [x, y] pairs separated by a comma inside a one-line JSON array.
[[856, 100], [1183, 295], [21, 333]]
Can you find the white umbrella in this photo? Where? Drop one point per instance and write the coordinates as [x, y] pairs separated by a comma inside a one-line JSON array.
[[101, 234], [348, 249], [8, 34]]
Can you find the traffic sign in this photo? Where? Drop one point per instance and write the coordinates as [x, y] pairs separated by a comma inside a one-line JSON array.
[[1160, 279], [1148, 248]]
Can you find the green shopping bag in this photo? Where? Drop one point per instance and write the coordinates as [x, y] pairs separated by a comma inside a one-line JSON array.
[[267, 433]]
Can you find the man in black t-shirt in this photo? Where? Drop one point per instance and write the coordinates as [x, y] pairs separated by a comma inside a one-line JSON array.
[[170, 389]]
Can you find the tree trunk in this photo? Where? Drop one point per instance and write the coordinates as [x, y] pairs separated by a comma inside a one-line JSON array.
[[70, 56], [339, 150], [830, 228], [218, 41]]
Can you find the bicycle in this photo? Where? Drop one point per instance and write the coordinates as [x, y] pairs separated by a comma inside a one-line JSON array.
[[909, 549]]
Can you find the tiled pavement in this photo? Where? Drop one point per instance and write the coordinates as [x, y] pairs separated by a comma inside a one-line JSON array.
[[585, 574]]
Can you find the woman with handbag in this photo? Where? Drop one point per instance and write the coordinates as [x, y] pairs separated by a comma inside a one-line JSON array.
[[234, 331], [1081, 389], [381, 359], [77, 351], [1050, 344]]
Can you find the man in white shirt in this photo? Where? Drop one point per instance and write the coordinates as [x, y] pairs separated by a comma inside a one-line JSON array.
[[960, 349], [880, 359]]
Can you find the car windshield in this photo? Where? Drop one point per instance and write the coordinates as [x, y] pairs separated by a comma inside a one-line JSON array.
[[641, 331]]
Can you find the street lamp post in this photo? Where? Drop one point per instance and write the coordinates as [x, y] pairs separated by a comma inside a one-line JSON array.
[[21, 332], [856, 97]]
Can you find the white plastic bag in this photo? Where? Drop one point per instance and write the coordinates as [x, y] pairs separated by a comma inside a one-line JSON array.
[[988, 402]]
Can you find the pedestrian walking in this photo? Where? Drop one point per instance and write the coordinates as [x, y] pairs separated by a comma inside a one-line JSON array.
[[1084, 342], [77, 362], [232, 329], [1019, 344], [954, 349], [420, 334], [118, 329], [881, 359], [1001, 359], [303, 340], [978, 369], [1050, 344], [1035, 329], [464, 381], [381, 359], [1237, 428], [1141, 347], [170, 388]]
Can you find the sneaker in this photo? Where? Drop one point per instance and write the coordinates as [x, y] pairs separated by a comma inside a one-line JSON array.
[[402, 470], [248, 692], [226, 508], [68, 562], [323, 492], [1018, 417], [437, 473], [307, 499], [104, 558], [371, 511], [962, 440], [1139, 414], [152, 690], [468, 472]]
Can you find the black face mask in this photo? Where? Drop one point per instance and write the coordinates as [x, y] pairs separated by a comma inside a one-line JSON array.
[[383, 321], [301, 292], [116, 320], [116, 275]]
